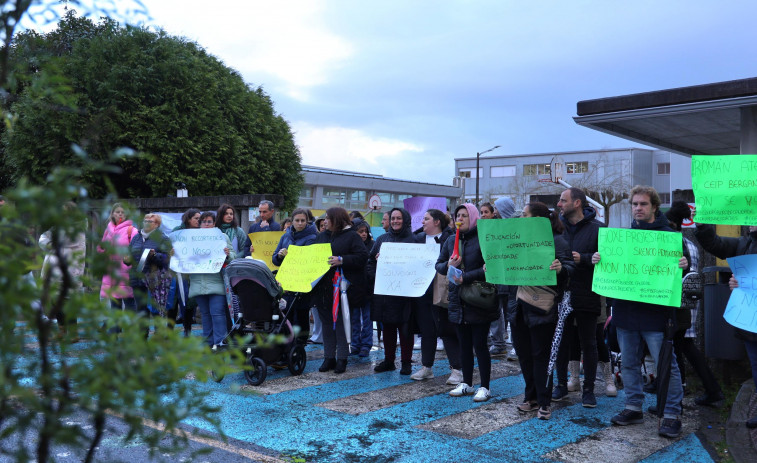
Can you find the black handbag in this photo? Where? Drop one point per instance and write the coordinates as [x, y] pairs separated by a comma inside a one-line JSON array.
[[481, 295]]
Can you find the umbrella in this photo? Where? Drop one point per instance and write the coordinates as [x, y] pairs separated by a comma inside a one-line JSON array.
[[336, 282], [664, 361], [343, 285], [563, 310]]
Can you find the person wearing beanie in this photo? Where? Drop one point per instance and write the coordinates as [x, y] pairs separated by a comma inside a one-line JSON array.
[[504, 208]]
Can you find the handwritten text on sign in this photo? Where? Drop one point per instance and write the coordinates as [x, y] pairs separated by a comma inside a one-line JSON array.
[[725, 189], [198, 250], [264, 243], [639, 265], [417, 207], [405, 269], [518, 251], [741, 310], [303, 267]]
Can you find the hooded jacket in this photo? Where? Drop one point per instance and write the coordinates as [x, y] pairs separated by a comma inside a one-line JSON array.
[[117, 235], [297, 238], [390, 309], [724, 247], [583, 238], [642, 316]]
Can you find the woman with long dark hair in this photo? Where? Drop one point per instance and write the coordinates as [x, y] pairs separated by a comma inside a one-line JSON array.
[[226, 220], [362, 325], [534, 327], [187, 309], [348, 258]]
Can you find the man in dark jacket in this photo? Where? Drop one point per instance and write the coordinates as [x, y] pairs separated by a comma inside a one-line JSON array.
[[265, 223], [724, 247], [581, 233], [638, 321]]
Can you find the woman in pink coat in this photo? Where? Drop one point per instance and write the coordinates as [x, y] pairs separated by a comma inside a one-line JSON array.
[[118, 233]]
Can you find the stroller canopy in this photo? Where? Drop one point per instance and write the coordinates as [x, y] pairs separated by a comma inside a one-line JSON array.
[[254, 270]]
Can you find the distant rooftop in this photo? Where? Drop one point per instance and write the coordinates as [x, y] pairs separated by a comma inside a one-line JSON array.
[[555, 153], [348, 173]]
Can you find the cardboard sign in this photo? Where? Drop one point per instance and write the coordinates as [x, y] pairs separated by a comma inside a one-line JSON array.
[[639, 265], [405, 269], [725, 189], [518, 251], [198, 250], [303, 267], [265, 244], [741, 310]]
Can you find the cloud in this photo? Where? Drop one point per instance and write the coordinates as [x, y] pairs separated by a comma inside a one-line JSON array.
[[351, 149], [287, 45]]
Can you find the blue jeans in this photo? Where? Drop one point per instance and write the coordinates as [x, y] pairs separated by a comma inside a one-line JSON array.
[[213, 310], [362, 327], [632, 350]]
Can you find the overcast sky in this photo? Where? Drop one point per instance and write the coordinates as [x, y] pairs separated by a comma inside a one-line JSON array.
[[402, 88]]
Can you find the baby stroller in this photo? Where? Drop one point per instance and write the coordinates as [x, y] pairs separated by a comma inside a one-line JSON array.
[[263, 312]]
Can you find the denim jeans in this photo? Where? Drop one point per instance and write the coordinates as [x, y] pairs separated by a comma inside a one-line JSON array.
[[498, 328], [362, 328], [632, 351], [213, 311]]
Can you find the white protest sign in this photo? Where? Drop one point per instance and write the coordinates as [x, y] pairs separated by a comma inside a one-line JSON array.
[[198, 250], [405, 269]]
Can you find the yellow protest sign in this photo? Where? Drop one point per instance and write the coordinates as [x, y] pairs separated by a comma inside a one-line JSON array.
[[264, 244], [303, 267]]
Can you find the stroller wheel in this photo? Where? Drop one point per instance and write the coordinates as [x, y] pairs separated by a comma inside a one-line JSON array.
[[256, 375], [297, 359], [217, 376]]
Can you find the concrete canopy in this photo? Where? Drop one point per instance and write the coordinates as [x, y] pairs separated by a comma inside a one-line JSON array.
[[717, 118]]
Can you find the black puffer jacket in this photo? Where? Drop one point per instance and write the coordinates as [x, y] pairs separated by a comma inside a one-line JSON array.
[[642, 316], [390, 309], [583, 238], [534, 316], [473, 261], [724, 247], [350, 247]]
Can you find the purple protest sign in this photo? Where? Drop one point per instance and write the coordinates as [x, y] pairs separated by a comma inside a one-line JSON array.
[[419, 205]]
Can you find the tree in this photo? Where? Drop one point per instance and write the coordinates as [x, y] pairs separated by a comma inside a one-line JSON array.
[[43, 384], [194, 118], [608, 182]]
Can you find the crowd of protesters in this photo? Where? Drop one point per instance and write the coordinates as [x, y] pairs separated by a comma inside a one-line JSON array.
[[470, 336]]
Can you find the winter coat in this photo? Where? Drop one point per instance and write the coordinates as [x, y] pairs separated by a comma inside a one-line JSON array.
[[348, 245], [119, 236], [237, 239], [390, 309], [159, 261], [421, 238], [302, 238], [642, 316], [583, 238], [254, 228], [473, 270], [535, 316], [202, 284], [724, 247], [73, 251]]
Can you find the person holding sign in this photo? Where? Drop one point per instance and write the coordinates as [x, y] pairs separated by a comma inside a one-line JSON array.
[[724, 247], [301, 233], [209, 291], [190, 219], [433, 320], [471, 322], [265, 222], [348, 260], [638, 322], [536, 319], [393, 311], [582, 234], [226, 220]]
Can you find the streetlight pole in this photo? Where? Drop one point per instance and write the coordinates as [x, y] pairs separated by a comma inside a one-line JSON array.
[[478, 156]]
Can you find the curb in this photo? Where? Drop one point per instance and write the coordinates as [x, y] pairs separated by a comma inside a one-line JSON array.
[[737, 436]]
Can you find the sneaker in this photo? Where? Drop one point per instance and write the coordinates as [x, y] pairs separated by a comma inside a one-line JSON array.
[[670, 427], [439, 345], [384, 366], [417, 343], [364, 352], [588, 400], [461, 390], [423, 373], [627, 417], [482, 395], [544, 413], [455, 377], [512, 356], [526, 407], [495, 351], [560, 392], [406, 368], [708, 399]]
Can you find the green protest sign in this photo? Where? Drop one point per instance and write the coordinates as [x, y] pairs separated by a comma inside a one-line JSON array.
[[639, 265], [518, 251], [725, 189]]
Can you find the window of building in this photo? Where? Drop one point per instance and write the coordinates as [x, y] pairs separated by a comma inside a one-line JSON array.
[[470, 173], [665, 198], [306, 197], [502, 171], [537, 169], [333, 197], [576, 167], [663, 168], [357, 199]]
